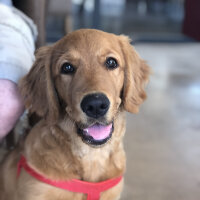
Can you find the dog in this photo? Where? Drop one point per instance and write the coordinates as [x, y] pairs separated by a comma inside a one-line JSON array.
[[81, 87]]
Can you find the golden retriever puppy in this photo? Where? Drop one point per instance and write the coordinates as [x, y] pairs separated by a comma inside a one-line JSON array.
[[81, 87]]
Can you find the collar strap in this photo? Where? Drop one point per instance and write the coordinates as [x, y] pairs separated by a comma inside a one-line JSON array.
[[92, 190]]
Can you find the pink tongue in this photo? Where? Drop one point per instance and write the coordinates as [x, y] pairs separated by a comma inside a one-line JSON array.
[[99, 132]]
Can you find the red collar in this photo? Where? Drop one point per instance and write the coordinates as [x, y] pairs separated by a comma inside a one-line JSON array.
[[92, 190]]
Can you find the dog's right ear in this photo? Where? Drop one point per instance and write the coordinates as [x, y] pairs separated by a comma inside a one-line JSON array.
[[37, 86], [34, 85]]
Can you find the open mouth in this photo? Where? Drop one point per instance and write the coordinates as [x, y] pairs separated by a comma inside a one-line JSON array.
[[96, 134]]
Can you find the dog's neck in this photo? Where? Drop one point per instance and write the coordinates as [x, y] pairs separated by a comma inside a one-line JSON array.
[[61, 154]]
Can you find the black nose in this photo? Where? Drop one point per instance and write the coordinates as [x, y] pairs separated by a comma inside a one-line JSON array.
[[95, 105]]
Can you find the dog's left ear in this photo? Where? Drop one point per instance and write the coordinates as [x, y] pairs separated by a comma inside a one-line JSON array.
[[136, 77]]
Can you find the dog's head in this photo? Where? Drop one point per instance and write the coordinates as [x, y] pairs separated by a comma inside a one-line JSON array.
[[88, 76]]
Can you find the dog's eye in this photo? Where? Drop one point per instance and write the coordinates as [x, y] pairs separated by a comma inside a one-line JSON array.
[[67, 68], [111, 63]]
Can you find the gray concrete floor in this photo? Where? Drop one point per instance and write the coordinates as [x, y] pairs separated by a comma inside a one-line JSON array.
[[163, 140]]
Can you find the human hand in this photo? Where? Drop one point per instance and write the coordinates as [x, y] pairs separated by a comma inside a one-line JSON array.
[[11, 106]]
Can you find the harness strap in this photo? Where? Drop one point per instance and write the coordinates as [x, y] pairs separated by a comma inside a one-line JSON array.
[[93, 190]]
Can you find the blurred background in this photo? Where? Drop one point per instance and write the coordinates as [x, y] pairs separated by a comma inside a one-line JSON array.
[[142, 20], [162, 141]]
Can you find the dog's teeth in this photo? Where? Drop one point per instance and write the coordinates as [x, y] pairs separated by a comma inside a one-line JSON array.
[[85, 130]]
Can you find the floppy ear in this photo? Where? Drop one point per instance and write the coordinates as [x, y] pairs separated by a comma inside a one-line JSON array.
[[136, 77], [37, 87]]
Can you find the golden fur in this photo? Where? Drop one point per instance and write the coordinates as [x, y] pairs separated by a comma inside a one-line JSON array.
[[53, 147]]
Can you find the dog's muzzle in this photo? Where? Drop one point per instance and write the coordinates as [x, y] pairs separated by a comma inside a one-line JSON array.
[[98, 132]]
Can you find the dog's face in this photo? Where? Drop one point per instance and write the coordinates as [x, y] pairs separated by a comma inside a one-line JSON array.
[[88, 76]]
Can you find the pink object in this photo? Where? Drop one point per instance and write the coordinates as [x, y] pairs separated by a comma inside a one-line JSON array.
[[99, 132], [11, 106]]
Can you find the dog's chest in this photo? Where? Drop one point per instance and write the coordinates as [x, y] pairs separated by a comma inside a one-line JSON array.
[[101, 165], [94, 164]]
